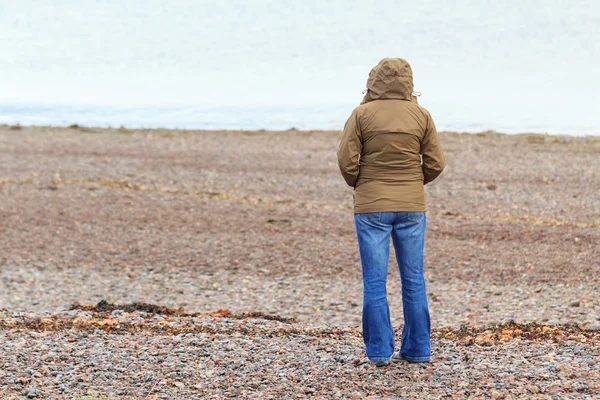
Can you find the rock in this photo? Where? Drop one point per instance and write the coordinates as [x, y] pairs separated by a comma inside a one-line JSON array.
[[49, 187], [533, 389]]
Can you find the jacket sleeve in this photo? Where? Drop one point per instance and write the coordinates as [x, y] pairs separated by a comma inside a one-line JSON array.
[[349, 150], [434, 161]]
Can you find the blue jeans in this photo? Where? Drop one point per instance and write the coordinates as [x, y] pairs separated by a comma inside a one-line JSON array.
[[408, 235]]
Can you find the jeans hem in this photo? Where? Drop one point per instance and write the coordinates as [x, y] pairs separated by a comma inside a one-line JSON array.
[[379, 359]]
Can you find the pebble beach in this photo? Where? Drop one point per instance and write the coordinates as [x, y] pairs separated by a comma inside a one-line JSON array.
[[166, 264]]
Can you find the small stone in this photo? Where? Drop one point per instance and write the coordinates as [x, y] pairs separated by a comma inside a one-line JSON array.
[[533, 389]]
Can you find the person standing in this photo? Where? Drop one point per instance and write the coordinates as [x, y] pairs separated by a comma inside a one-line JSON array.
[[389, 150]]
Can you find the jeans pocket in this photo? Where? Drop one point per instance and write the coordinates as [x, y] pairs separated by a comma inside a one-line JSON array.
[[369, 217], [416, 217]]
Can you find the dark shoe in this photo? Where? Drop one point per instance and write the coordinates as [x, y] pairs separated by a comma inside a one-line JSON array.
[[380, 364]]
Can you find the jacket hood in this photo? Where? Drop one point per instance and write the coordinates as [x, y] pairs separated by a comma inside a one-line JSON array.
[[392, 78]]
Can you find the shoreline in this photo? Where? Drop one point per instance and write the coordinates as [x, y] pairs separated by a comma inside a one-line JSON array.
[[302, 132]]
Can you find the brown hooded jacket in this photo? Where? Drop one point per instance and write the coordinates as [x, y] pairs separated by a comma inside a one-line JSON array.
[[390, 147]]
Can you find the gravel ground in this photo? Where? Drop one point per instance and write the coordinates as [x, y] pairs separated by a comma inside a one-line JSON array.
[[261, 222], [140, 355]]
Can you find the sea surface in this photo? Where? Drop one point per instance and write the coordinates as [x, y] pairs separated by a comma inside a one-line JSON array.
[[510, 66]]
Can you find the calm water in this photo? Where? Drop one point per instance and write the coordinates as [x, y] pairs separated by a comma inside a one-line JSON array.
[[512, 66]]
